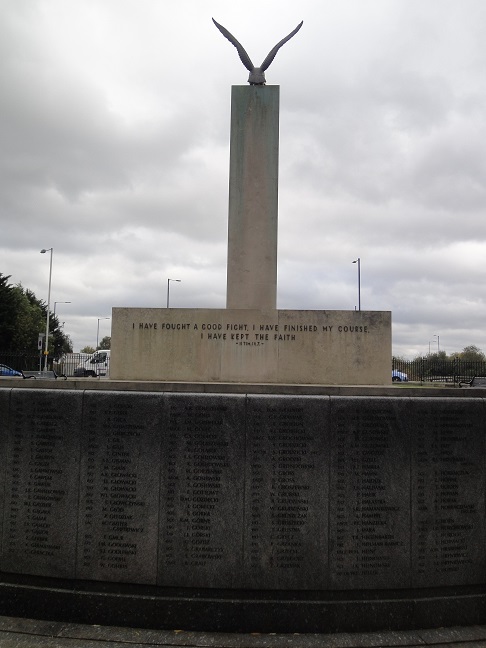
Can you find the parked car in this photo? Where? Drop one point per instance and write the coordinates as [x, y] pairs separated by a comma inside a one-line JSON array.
[[8, 371], [399, 376]]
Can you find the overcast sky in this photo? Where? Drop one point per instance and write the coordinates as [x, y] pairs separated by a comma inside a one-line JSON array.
[[114, 131]]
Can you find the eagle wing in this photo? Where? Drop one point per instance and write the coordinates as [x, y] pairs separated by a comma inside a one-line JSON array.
[[271, 55], [245, 59]]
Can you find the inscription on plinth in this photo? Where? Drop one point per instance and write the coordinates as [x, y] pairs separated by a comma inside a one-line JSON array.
[[256, 346], [448, 492], [41, 486], [202, 482], [369, 494], [118, 513], [286, 501]]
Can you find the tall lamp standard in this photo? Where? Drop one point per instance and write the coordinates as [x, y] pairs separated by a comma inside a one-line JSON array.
[[358, 261], [168, 288], [46, 348], [98, 330]]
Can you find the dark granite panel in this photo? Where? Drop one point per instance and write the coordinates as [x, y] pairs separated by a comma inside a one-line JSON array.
[[244, 492], [202, 491], [369, 493], [286, 495], [41, 487], [4, 418], [118, 512], [448, 497], [137, 606]]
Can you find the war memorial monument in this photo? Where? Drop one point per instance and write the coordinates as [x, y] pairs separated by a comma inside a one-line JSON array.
[[251, 341], [248, 468]]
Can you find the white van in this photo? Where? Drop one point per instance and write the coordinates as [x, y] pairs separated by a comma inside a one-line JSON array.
[[68, 362], [96, 366]]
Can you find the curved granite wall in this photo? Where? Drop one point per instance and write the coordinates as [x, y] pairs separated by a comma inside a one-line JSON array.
[[304, 498]]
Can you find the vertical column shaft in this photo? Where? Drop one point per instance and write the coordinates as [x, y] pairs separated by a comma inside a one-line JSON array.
[[253, 198]]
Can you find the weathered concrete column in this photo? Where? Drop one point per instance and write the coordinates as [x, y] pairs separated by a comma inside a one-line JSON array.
[[253, 198]]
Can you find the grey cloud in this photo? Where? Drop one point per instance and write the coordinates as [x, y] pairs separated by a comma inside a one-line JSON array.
[[115, 150]]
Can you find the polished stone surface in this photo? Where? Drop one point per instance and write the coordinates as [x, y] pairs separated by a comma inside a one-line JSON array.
[[229, 491], [203, 462], [236, 511], [119, 477], [287, 492], [370, 513], [41, 463], [448, 491]]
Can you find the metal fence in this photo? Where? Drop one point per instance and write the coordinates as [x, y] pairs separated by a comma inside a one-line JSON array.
[[66, 364], [430, 370], [421, 370], [23, 361]]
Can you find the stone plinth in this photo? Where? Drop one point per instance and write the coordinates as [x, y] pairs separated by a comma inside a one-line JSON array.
[[277, 346]]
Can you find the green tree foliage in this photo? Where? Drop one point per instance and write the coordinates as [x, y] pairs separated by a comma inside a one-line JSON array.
[[441, 356], [87, 349], [465, 364], [9, 307], [105, 343], [472, 353], [23, 317]]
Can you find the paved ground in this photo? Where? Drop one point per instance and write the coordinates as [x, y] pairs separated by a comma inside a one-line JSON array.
[[29, 633]]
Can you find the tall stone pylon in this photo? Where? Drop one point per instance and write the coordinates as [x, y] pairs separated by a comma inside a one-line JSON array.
[[253, 198]]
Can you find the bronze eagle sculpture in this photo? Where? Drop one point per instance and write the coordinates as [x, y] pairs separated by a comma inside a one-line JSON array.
[[257, 74]]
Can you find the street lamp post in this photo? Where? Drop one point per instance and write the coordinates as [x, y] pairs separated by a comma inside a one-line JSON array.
[[168, 288], [46, 348], [358, 261], [98, 330]]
